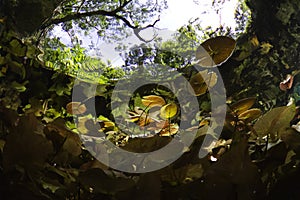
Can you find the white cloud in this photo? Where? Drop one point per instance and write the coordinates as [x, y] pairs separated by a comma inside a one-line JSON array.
[[180, 12]]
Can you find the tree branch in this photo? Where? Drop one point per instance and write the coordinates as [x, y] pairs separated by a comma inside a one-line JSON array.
[[113, 13], [78, 15], [138, 30]]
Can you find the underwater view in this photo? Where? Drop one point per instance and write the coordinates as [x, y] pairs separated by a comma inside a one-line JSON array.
[[144, 99]]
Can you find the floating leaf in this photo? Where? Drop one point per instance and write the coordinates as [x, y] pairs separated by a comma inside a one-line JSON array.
[[168, 111], [250, 115], [216, 51], [198, 84], [203, 80], [76, 108], [153, 100], [242, 105]]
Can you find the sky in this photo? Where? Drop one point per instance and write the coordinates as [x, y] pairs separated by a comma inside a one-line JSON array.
[[179, 13]]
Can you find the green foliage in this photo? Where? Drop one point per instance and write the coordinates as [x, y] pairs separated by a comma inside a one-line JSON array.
[[74, 62]]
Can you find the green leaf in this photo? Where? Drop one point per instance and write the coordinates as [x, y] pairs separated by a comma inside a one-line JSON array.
[[17, 48], [2, 143], [275, 121], [18, 86], [2, 60]]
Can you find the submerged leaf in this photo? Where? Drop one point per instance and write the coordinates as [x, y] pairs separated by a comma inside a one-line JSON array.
[[102, 183], [292, 138], [26, 146], [275, 121], [143, 145]]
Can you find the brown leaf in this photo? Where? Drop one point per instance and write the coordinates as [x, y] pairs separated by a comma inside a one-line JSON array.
[[75, 108], [215, 51], [26, 146], [170, 130], [198, 84], [234, 167], [250, 115], [291, 138], [143, 145]]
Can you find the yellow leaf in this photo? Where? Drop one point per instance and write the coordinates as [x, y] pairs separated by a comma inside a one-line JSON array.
[[250, 115], [2, 20], [265, 48], [254, 41], [242, 105], [168, 111], [153, 100]]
